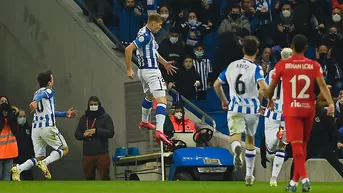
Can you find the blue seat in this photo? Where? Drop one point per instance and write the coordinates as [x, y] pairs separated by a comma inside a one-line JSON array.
[[119, 153], [210, 44], [133, 151], [311, 52]]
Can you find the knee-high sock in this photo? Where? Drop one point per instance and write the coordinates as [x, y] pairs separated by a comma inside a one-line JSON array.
[[146, 109], [160, 116]]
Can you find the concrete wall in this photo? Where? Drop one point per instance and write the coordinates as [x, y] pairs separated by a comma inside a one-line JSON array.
[[36, 35]]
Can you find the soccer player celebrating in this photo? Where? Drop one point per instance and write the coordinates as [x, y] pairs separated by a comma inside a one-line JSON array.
[[298, 75], [243, 76], [275, 126], [44, 130], [150, 75]]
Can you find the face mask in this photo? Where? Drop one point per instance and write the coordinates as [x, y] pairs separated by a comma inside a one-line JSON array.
[[322, 56], [173, 40], [234, 16], [336, 18], [192, 22], [333, 36], [21, 120], [93, 108], [165, 16], [286, 13], [199, 54], [178, 115]]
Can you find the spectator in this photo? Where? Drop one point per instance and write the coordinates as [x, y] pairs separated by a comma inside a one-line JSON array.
[[4, 99], [167, 24], [172, 49], [187, 80], [181, 123], [193, 32], [95, 127], [249, 11], [262, 14], [264, 60], [334, 40], [208, 12], [336, 19], [332, 71], [131, 19], [101, 9], [25, 146], [234, 22], [8, 142], [284, 26], [204, 68]]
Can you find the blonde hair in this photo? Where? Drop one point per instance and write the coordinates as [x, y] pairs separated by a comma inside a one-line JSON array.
[[155, 17]]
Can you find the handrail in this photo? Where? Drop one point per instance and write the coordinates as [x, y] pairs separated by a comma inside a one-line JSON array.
[[122, 47], [205, 115]]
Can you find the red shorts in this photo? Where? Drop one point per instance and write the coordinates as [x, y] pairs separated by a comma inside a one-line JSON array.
[[298, 128]]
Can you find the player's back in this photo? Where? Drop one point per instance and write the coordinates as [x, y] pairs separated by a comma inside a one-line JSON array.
[[44, 115], [276, 114], [147, 49], [242, 79], [298, 76]]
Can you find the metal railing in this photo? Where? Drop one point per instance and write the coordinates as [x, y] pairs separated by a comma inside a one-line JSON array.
[[121, 47]]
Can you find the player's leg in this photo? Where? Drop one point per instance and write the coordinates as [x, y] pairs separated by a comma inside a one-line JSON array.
[[146, 104], [294, 132], [236, 128], [250, 152], [54, 139], [158, 87], [270, 129], [39, 147], [279, 154]]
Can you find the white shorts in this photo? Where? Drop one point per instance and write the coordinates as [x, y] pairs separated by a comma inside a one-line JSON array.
[[152, 81], [41, 137], [239, 123], [271, 128]]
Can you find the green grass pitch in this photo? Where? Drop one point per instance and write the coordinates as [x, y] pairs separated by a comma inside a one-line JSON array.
[[153, 187]]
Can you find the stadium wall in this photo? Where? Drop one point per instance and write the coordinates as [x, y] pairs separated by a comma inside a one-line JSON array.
[[37, 35]]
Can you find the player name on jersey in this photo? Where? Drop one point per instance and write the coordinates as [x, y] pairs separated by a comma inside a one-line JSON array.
[[299, 66]]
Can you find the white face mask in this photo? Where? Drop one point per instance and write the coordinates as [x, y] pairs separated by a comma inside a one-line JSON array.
[[93, 108], [173, 40], [286, 13], [336, 18], [178, 115], [165, 16], [192, 22], [21, 120]]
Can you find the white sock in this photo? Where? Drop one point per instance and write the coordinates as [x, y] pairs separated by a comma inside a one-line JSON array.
[[305, 180], [30, 163], [160, 116], [234, 144], [278, 162], [292, 183], [146, 110], [250, 161], [54, 156]]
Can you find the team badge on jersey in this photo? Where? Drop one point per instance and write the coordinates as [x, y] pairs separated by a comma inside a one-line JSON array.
[[141, 39]]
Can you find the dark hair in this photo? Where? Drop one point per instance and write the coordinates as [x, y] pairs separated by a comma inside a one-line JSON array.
[[199, 44], [94, 98], [250, 45], [11, 118], [235, 6], [299, 43], [8, 101], [44, 78], [174, 30]]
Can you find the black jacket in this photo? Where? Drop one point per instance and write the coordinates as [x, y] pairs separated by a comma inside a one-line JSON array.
[[98, 143], [24, 141]]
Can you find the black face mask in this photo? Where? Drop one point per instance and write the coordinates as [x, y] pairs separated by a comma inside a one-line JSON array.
[[235, 16], [333, 36], [322, 56]]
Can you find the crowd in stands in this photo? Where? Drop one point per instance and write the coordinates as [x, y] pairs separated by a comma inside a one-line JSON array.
[[202, 37]]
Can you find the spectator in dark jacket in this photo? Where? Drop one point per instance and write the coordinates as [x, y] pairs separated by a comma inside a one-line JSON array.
[[187, 80], [25, 146], [95, 127]]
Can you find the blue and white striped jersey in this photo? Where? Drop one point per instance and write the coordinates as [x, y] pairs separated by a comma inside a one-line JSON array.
[[147, 47], [45, 114], [278, 99], [242, 77]]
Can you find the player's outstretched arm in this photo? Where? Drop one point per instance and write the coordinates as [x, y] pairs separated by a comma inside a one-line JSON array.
[[220, 93], [326, 93], [167, 65], [128, 59]]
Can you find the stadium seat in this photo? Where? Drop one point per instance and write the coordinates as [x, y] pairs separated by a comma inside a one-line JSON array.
[[311, 51], [210, 44]]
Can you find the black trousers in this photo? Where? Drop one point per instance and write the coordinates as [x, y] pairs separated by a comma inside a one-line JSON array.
[[327, 153]]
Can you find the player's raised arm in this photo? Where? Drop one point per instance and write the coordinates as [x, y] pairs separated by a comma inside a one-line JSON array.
[[219, 89]]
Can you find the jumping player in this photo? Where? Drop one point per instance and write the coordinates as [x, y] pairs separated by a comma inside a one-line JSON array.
[[44, 130], [150, 75], [243, 76], [275, 127], [298, 75]]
